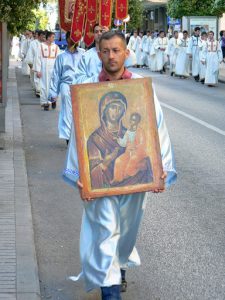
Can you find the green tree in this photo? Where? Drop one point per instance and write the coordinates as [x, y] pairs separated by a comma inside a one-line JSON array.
[[180, 8], [135, 10], [18, 14], [41, 18]]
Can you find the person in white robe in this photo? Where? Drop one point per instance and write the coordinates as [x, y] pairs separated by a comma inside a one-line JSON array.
[[137, 49], [202, 69], [15, 47], [145, 49], [132, 44], [43, 66], [172, 52], [35, 46], [194, 46], [106, 243], [132, 40], [159, 50], [62, 77], [151, 50], [24, 46], [182, 68], [212, 57]]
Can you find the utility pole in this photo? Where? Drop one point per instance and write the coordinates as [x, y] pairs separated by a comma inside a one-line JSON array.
[[3, 77]]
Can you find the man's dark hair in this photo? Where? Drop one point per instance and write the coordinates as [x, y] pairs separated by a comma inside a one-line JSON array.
[[41, 32], [211, 32], [48, 34], [197, 28], [161, 31], [111, 34], [203, 33], [185, 31], [96, 24], [175, 31], [67, 35]]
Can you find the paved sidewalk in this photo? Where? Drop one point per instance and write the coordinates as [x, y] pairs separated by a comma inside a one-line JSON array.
[[18, 266]]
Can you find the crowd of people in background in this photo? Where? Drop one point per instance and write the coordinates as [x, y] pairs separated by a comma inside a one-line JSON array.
[[52, 70], [199, 54]]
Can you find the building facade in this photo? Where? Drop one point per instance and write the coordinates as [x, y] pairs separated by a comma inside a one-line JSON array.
[[155, 17]]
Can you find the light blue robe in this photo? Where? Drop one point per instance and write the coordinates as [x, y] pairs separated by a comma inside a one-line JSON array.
[[63, 75], [110, 224], [89, 66]]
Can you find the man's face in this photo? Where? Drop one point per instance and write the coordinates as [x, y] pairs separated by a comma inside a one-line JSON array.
[[197, 32], [185, 35], [176, 35], [98, 31], [70, 42], [114, 112], [162, 35], [41, 38], [135, 34], [113, 53], [211, 35], [204, 37], [51, 38]]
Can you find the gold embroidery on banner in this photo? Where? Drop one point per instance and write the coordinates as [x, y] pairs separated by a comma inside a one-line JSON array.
[[122, 7], [77, 33], [105, 16], [91, 9]]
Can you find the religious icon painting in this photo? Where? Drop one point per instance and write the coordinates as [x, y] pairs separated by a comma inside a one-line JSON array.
[[117, 137], [66, 9]]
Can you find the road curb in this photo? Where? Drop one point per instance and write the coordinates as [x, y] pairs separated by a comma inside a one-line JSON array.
[[27, 279]]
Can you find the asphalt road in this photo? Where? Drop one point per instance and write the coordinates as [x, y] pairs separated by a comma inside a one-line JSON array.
[[182, 238]]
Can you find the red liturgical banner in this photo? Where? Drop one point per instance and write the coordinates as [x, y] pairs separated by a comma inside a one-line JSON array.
[[80, 16], [121, 9], [89, 35], [77, 28], [91, 20], [105, 9]]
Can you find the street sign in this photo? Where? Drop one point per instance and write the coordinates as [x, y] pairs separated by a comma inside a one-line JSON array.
[[172, 21], [118, 22]]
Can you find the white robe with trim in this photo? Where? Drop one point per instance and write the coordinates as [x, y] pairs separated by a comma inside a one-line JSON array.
[[44, 62]]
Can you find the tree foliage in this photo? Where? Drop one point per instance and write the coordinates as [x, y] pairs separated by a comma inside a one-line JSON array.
[[18, 14], [180, 8], [41, 18], [135, 10]]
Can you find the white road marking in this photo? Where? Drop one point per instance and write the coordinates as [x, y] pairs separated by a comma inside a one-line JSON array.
[[207, 125]]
